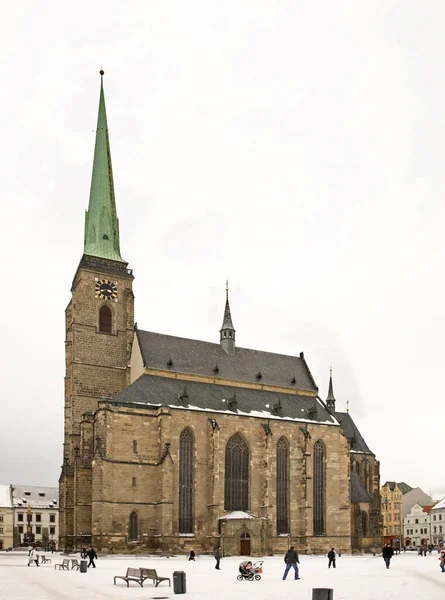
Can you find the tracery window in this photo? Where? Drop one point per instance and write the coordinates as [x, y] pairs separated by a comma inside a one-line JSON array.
[[186, 477], [364, 524], [236, 484], [133, 527], [319, 489], [105, 319], [282, 486]]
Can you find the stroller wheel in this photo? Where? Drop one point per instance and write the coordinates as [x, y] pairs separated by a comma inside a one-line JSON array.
[[250, 578], [240, 577], [257, 577]]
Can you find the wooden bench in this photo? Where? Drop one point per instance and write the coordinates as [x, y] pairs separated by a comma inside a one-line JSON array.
[[44, 560], [75, 564], [132, 575], [64, 565], [151, 574]]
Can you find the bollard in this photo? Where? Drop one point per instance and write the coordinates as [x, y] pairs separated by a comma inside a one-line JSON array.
[[322, 594]]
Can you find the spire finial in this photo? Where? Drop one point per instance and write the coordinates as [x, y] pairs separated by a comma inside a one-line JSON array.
[[102, 72], [347, 406], [227, 289]]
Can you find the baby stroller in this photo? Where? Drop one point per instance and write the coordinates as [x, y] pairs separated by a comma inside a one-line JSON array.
[[250, 573]]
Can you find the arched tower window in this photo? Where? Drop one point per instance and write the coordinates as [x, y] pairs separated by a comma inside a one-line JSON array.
[[236, 492], [133, 527], [282, 486], [368, 481], [364, 524], [105, 319], [319, 489], [186, 477]]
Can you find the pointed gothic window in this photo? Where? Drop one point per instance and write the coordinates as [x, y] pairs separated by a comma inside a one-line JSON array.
[[364, 524], [368, 480], [105, 319], [133, 527], [282, 486], [236, 485], [319, 489], [186, 471]]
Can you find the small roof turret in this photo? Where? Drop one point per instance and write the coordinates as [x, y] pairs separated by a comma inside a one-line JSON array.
[[330, 400], [227, 331]]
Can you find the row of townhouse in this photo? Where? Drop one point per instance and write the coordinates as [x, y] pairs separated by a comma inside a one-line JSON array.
[[29, 514], [425, 525]]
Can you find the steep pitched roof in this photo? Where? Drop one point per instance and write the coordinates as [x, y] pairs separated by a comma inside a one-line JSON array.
[[5, 496], [404, 487], [439, 505], [155, 391], [357, 442], [358, 491], [205, 358]]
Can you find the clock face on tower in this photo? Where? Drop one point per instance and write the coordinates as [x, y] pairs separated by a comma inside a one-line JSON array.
[[106, 289]]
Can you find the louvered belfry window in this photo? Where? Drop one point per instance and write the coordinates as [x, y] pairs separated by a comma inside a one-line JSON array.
[[133, 528], [236, 492], [186, 473], [319, 489], [282, 486], [105, 319]]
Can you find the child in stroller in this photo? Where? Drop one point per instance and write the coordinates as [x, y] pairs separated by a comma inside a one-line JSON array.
[[250, 571]]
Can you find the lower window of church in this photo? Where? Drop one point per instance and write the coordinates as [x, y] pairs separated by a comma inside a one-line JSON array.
[[236, 484], [186, 472], [133, 527], [319, 489], [282, 486]]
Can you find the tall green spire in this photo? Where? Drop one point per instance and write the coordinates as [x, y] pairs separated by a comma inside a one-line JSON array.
[[101, 222]]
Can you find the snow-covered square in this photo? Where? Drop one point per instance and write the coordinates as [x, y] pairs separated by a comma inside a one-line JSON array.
[[355, 578]]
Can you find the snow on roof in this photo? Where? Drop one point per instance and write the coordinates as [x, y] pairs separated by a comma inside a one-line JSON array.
[[5, 496], [35, 496], [238, 514], [440, 504]]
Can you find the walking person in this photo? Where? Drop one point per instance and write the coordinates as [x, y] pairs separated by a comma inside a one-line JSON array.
[[33, 556], [291, 560], [387, 554], [92, 556], [218, 557], [331, 556], [192, 555], [442, 561]]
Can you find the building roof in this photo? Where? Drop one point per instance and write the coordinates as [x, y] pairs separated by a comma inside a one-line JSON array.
[[227, 320], [404, 488], [426, 508], [183, 355], [358, 491], [352, 433], [5, 496], [101, 222], [439, 505], [36, 496], [155, 391]]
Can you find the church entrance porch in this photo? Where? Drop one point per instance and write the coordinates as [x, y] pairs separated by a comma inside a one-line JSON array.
[[245, 544]]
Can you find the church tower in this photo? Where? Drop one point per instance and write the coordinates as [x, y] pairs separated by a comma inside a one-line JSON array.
[[99, 335]]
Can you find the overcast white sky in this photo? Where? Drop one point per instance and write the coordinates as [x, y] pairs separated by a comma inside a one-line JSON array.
[[296, 148]]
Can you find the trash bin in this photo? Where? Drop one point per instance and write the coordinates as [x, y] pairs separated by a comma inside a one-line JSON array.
[[322, 594], [179, 582], [83, 566]]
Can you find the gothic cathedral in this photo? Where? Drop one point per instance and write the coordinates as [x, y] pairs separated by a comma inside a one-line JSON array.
[[172, 443]]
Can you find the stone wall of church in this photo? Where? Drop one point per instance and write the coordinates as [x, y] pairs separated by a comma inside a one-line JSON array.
[[144, 478]]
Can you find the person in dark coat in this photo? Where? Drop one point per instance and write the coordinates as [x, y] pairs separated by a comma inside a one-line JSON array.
[[387, 554], [291, 560], [331, 556], [92, 556], [218, 557], [192, 555]]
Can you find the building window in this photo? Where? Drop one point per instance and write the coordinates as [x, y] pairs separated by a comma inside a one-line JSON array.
[[282, 486], [416, 521], [38, 530], [1, 529], [20, 517], [236, 492], [440, 528], [440, 517], [52, 518], [368, 485], [135, 446], [38, 518], [52, 530], [1, 518], [364, 524], [435, 528], [319, 489], [105, 319], [20, 528], [133, 528], [186, 480], [434, 517]]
